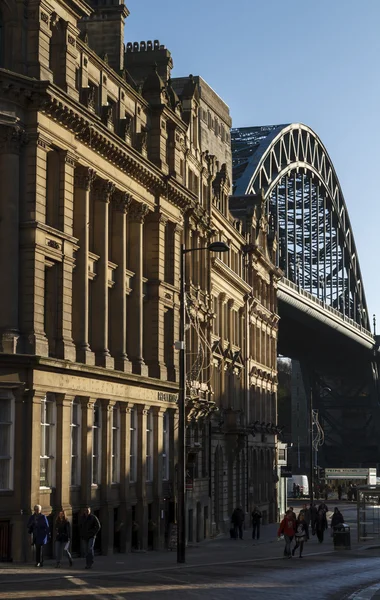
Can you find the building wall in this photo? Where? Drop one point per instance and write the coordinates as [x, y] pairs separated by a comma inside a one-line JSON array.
[[105, 179]]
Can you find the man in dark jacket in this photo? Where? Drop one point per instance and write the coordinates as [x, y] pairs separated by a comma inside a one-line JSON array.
[[237, 521], [89, 527], [38, 527], [256, 520]]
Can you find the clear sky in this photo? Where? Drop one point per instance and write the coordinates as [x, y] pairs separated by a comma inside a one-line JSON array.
[[282, 61]]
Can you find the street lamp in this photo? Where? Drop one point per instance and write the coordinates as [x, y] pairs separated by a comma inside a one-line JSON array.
[[181, 474]]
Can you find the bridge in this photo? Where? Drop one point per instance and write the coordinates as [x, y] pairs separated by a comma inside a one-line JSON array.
[[324, 316]]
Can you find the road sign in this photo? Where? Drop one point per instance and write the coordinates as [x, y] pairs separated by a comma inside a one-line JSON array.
[[286, 471]]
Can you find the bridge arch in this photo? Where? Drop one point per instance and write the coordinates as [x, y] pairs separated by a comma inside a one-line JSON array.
[[290, 166]]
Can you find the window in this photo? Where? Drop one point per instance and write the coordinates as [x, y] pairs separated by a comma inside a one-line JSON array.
[[47, 453], [6, 439], [133, 446], [149, 447], [115, 444], [165, 445], [75, 442], [96, 445]]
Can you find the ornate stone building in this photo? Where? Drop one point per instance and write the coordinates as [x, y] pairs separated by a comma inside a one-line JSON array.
[[105, 166]]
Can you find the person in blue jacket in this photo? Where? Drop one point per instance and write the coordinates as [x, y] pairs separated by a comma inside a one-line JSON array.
[[38, 527]]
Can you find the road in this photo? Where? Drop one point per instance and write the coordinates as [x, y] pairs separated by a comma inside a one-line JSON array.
[[225, 569]]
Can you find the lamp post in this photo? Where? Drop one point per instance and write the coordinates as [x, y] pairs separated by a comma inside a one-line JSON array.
[[181, 473], [311, 445]]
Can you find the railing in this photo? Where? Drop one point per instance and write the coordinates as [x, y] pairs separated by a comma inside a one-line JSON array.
[[325, 306]]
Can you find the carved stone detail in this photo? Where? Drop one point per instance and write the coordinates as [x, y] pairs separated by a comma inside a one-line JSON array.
[[84, 178], [122, 201], [103, 190], [12, 138], [138, 211]]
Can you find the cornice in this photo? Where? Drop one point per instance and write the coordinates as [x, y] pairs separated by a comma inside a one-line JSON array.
[[229, 275]]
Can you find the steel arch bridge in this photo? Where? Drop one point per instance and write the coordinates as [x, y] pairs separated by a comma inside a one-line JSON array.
[[290, 166]]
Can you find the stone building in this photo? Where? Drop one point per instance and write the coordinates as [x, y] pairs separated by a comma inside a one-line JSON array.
[[105, 168]]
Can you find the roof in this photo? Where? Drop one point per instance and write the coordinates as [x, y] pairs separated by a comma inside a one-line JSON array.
[[248, 146]]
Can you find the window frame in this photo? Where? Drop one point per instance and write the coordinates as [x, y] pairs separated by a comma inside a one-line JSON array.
[[149, 446], [96, 458], [166, 446], [133, 445], [7, 395], [115, 445], [48, 441], [75, 429]]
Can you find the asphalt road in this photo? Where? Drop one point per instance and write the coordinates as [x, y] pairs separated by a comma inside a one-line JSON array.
[[320, 574]]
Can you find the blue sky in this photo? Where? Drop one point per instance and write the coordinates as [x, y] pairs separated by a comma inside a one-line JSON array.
[[281, 61]]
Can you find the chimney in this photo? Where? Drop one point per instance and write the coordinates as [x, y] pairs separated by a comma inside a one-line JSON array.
[[105, 30], [141, 57]]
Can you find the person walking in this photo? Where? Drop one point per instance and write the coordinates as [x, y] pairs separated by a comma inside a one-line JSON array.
[[313, 516], [336, 519], [237, 520], [301, 534], [62, 538], [38, 527], [340, 490], [320, 525], [323, 506], [89, 527], [256, 520], [287, 529]]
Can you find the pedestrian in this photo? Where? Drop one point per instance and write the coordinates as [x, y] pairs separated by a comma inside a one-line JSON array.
[[320, 525], [62, 538], [256, 520], [355, 492], [336, 519], [298, 491], [294, 490], [89, 527], [305, 511], [38, 527], [293, 513], [340, 490], [287, 529], [327, 490], [301, 534], [323, 506], [313, 516], [237, 520]]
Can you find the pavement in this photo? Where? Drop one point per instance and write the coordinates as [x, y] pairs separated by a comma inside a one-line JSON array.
[[212, 566]]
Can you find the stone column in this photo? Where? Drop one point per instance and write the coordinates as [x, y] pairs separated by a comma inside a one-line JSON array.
[[154, 351], [125, 440], [106, 509], [83, 181], [63, 454], [142, 507], [118, 326], [12, 138], [86, 448], [158, 505], [102, 194], [32, 259], [65, 347], [136, 218]]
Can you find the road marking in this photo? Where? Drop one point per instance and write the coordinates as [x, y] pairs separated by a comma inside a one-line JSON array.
[[365, 594]]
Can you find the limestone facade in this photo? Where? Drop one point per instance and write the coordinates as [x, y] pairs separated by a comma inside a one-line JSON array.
[[104, 170]]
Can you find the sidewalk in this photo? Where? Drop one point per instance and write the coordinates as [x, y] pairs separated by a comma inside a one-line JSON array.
[[219, 550]]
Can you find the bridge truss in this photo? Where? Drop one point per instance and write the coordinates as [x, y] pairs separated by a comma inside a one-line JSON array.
[[290, 166]]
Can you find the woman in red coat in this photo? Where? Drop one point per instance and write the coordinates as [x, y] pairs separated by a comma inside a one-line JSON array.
[[287, 529]]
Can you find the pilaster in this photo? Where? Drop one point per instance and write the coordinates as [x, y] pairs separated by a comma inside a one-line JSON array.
[[106, 509], [63, 445], [158, 504], [136, 216], [121, 203], [154, 334], [84, 179], [12, 138], [125, 440], [86, 445], [102, 194], [142, 508]]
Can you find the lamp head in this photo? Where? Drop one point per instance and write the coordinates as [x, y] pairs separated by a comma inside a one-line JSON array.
[[218, 247]]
